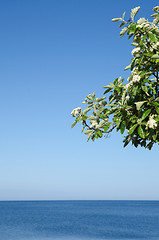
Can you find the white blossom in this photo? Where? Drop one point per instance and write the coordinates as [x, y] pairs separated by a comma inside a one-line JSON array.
[[128, 85], [136, 78], [141, 20], [127, 97], [135, 50], [156, 45], [151, 122], [75, 111], [94, 124]]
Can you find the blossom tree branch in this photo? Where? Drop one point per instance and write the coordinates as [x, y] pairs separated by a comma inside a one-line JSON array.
[[131, 108]]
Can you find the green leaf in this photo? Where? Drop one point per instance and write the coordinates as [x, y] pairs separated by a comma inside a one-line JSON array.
[[145, 114], [127, 140], [108, 90], [144, 37], [122, 24], [92, 118], [117, 19], [122, 127], [123, 31], [123, 15], [145, 89], [152, 37], [134, 90], [107, 127], [132, 28], [73, 124], [156, 119], [108, 86], [156, 20], [134, 11], [148, 54], [154, 15], [86, 110], [82, 129], [84, 118], [154, 137], [100, 99], [128, 67], [155, 56], [89, 131], [131, 130], [139, 104], [150, 145], [99, 134], [157, 109], [141, 132]]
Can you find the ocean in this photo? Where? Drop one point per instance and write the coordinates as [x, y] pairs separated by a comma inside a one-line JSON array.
[[79, 220]]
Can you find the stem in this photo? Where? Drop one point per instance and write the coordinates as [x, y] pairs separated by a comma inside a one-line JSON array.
[[92, 128]]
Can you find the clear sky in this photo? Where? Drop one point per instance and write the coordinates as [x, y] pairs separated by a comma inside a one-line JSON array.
[[53, 54]]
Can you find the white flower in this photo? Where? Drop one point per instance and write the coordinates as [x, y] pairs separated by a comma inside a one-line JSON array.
[[151, 122], [135, 50], [156, 45], [75, 111], [147, 25], [127, 97], [136, 78], [127, 86], [94, 124], [139, 26], [141, 20]]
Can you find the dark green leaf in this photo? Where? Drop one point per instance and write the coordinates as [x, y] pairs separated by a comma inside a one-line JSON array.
[[145, 114], [122, 24], [141, 132], [131, 130], [122, 127], [156, 119], [132, 28]]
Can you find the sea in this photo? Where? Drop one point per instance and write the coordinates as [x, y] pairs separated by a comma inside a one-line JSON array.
[[79, 220]]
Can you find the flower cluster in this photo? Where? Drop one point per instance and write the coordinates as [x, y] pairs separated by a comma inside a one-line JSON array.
[[151, 122], [94, 125], [143, 23], [135, 78], [76, 111]]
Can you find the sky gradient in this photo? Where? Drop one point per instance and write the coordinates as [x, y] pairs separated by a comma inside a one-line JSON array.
[[53, 54]]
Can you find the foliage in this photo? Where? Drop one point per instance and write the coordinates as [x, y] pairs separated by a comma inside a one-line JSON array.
[[132, 108]]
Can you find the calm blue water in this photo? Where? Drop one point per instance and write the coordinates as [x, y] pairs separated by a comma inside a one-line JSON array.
[[79, 220]]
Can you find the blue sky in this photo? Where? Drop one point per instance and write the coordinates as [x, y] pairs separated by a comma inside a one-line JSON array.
[[53, 54]]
